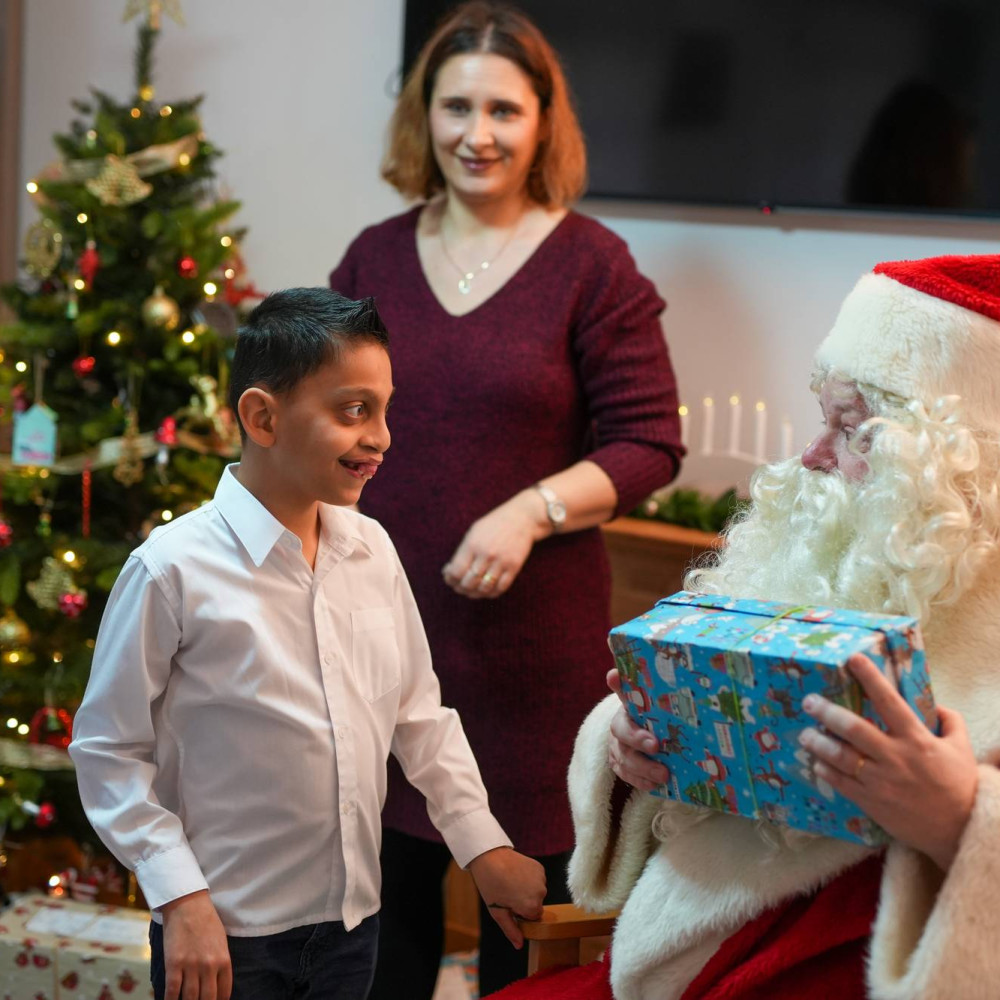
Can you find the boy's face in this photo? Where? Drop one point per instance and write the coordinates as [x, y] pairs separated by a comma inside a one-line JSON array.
[[331, 430]]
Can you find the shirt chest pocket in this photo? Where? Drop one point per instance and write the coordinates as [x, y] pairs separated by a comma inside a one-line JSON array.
[[374, 652]]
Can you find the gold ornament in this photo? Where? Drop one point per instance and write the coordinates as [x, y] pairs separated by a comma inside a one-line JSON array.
[[14, 633], [118, 183], [152, 10], [54, 580], [42, 248], [129, 469], [160, 311]]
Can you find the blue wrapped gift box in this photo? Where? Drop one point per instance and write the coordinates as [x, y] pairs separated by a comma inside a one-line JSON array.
[[720, 683]]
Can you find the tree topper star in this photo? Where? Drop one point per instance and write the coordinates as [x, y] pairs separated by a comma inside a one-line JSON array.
[[152, 9]]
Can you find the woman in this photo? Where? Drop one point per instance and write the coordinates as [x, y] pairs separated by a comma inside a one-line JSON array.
[[535, 400]]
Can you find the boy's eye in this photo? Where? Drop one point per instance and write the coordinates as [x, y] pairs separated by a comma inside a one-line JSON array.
[[355, 411]]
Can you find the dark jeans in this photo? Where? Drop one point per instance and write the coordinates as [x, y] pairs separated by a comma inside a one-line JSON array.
[[412, 918], [316, 962]]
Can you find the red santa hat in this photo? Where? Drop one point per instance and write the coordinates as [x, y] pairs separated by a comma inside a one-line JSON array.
[[924, 329]]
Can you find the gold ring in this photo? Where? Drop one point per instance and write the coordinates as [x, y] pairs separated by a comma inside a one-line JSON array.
[[487, 578], [862, 760]]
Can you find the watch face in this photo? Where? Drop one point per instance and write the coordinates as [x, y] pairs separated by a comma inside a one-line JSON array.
[[557, 511]]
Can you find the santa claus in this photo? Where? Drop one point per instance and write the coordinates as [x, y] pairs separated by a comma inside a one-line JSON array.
[[893, 507]]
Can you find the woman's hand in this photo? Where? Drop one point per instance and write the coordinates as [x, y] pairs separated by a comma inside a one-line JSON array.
[[919, 787], [494, 549], [628, 745]]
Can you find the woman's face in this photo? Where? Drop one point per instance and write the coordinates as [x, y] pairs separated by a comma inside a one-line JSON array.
[[484, 121]]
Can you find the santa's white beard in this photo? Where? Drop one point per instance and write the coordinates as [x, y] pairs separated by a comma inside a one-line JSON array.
[[895, 542]]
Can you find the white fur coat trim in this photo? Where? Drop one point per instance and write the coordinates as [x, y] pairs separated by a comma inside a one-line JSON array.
[[917, 346], [697, 888], [937, 937]]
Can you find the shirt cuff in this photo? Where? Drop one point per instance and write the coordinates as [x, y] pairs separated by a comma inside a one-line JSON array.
[[473, 834], [169, 875]]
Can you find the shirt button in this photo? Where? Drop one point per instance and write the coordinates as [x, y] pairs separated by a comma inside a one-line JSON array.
[[347, 808], [342, 733], [328, 659]]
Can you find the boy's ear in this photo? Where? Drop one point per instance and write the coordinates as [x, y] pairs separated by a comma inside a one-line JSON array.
[[258, 410]]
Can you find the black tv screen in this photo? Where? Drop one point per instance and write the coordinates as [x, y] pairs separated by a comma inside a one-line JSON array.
[[829, 104]]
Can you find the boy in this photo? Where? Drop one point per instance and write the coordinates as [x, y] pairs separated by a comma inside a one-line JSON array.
[[258, 659]]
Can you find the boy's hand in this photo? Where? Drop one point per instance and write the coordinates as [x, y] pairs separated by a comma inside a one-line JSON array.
[[195, 950], [511, 886]]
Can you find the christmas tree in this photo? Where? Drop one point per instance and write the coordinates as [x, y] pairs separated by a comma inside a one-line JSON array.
[[112, 382]]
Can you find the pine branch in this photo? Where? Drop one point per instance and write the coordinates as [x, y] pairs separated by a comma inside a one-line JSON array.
[[144, 56]]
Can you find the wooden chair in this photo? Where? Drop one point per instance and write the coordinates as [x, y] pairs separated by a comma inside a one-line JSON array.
[[566, 935]]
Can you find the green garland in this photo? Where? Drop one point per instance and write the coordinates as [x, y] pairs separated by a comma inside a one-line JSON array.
[[691, 508]]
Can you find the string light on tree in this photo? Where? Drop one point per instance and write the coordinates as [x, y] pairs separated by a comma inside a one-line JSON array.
[[32, 187], [114, 338]]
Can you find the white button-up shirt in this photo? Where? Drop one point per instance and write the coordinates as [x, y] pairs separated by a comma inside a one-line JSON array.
[[241, 709]]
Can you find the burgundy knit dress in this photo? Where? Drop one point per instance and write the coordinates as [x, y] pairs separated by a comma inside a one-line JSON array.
[[566, 361]]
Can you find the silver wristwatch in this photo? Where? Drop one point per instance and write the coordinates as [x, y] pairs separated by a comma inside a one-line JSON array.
[[554, 507]]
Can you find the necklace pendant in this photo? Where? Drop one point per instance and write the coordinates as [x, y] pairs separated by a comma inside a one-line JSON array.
[[463, 286]]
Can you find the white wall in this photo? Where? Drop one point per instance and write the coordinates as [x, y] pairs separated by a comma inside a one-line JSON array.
[[298, 95]]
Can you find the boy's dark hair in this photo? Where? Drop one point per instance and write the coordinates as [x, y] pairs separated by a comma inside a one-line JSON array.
[[294, 331]]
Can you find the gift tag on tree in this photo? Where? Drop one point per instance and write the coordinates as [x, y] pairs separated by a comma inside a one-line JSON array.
[[35, 436]]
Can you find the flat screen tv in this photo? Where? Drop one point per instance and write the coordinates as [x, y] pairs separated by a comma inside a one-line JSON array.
[[888, 105]]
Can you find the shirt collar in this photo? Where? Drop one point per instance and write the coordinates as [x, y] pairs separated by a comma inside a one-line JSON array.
[[259, 530]]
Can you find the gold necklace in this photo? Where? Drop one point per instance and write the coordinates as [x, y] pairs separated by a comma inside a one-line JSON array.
[[465, 281]]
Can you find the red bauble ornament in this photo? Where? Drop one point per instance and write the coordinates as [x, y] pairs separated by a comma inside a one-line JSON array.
[[167, 431], [88, 263], [187, 267], [72, 605], [51, 726], [6, 533], [46, 815], [84, 365]]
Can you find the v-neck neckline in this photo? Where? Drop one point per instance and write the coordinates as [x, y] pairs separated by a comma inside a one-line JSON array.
[[529, 260]]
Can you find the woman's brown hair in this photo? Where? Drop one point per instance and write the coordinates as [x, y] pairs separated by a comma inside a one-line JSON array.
[[559, 173]]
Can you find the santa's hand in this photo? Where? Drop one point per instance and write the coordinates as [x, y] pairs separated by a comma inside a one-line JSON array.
[[918, 786], [628, 745]]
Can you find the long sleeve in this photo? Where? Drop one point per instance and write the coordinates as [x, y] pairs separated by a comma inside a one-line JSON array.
[[114, 744], [431, 746], [936, 934], [627, 378]]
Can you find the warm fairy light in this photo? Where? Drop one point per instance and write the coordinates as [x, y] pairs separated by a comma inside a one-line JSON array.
[[682, 411], [146, 92], [760, 407], [114, 338], [23, 729], [21, 366], [226, 241], [79, 284], [43, 473], [82, 218], [57, 657], [69, 556], [708, 401], [167, 515], [54, 880], [3, 781], [32, 187], [211, 288], [230, 274], [14, 657], [166, 111], [135, 113], [184, 159], [188, 336], [92, 134], [734, 400], [90, 643], [2, 356], [12, 723]]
